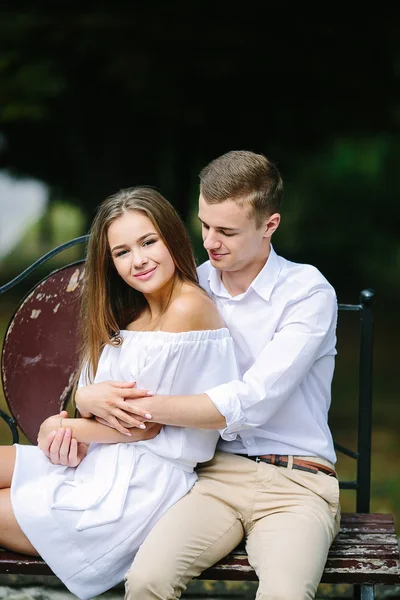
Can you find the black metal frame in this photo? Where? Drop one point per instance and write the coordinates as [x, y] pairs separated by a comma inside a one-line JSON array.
[[362, 485]]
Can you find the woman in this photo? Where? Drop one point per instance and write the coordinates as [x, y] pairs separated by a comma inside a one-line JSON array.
[[145, 319]]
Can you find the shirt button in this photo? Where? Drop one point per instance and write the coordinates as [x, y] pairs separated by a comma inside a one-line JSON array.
[[249, 443]]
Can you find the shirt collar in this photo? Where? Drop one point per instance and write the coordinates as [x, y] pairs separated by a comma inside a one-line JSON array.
[[263, 284]]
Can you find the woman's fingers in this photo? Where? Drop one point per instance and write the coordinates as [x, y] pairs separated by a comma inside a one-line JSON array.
[[130, 420], [82, 450], [65, 448], [45, 444], [73, 459], [133, 408], [122, 384], [55, 447]]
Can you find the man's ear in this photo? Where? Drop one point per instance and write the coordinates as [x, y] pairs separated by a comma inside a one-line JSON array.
[[271, 224]]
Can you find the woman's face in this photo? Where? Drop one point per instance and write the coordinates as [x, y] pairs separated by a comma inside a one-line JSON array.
[[139, 254]]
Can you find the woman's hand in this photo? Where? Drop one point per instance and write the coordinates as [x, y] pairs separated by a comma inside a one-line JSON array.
[[59, 446], [107, 401], [63, 449]]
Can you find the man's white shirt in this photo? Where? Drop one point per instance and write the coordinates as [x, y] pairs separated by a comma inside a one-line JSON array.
[[284, 329]]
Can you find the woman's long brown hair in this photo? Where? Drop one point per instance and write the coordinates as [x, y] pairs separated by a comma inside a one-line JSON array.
[[108, 303]]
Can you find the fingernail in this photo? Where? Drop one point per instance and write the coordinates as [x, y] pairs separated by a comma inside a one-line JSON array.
[[68, 432], [142, 426], [149, 393], [53, 432], [148, 416]]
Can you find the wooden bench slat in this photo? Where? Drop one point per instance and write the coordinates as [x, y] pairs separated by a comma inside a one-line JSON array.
[[352, 571], [362, 570], [367, 518], [363, 552], [13, 563], [366, 539], [366, 529], [351, 550]]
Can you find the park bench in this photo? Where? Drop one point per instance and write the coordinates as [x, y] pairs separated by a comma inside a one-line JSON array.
[[38, 366]]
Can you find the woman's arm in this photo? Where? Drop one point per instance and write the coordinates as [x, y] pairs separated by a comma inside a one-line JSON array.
[[89, 430], [106, 398]]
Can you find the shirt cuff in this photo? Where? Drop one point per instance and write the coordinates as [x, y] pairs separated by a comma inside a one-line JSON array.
[[229, 406]]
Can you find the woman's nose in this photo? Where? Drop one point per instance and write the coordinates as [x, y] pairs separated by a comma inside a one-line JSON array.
[[138, 259]]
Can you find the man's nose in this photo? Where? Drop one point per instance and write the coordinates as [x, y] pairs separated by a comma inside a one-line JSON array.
[[211, 241]]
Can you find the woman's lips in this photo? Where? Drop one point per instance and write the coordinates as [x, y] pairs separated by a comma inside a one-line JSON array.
[[145, 274]]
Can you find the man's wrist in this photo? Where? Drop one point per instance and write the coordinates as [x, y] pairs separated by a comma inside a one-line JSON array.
[[153, 407]]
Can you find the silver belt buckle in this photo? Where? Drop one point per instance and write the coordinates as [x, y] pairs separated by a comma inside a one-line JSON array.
[[258, 459]]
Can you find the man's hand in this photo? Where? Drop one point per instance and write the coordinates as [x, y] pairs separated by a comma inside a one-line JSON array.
[[60, 447], [107, 401]]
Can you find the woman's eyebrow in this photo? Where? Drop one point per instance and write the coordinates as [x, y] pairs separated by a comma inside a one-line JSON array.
[[140, 239]]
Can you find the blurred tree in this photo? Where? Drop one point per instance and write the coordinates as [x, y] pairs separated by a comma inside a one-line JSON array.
[[111, 95]]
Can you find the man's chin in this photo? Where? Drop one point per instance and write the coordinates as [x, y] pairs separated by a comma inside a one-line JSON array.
[[223, 264]]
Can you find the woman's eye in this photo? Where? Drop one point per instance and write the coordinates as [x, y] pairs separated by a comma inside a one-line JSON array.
[[121, 253], [149, 242]]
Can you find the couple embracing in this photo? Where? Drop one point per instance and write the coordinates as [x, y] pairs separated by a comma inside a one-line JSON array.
[[204, 397]]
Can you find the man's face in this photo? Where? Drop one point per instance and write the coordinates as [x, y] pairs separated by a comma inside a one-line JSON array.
[[230, 237]]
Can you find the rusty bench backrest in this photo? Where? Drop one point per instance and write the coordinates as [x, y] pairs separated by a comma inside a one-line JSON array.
[[39, 357]]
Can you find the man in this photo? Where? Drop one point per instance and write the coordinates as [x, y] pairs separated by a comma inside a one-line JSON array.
[[272, 480]]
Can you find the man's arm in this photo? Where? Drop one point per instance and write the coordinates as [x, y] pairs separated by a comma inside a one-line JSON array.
[[189, 312], [196, 410], [307, 331]]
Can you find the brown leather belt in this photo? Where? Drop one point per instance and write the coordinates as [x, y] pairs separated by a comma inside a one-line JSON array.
[[298, 463]]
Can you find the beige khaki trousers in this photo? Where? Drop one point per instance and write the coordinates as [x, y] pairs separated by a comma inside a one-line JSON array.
[[289, 518]]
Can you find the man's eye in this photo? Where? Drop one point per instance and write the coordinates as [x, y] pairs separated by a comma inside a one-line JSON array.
[[228, 234]]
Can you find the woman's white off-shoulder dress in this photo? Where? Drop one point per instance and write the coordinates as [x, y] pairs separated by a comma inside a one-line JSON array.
[[88, 522]]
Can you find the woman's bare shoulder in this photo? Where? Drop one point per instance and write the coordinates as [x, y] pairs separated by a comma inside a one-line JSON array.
[[192, 310]]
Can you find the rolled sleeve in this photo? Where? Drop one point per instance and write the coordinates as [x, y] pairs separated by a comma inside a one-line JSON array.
[[228, 403]]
